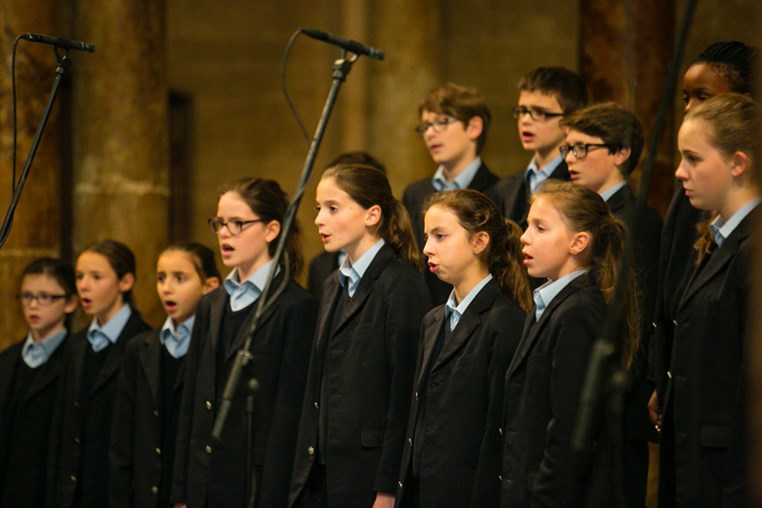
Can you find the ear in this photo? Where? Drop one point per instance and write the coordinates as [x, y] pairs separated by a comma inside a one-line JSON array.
[[621, 156], [126, 282], [479, 242], [739, 164], [71, 304], [210, 284], [579, 243], [474, 127], [373, 216], [272, 229]]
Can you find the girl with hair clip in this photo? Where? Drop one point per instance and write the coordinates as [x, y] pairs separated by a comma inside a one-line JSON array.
[[728, 66], [210, 472], [30, 372], [356, 404], [150, 384], [572, 240], [453, 451], [105, 273], [704, 438]]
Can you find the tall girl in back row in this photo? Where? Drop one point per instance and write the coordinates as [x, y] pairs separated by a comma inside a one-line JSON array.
[[361, 371]]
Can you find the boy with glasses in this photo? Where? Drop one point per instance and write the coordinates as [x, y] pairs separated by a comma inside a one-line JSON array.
[[454, 124], [545, 95], [603, 145]]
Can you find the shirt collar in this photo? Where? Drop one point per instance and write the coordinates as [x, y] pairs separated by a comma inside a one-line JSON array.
[[243, 294], [540, 174], [462, 181], [606, 195], [109, 331], [721, 230], [176, 340], [35, 354], [454, 310], [544, 294], [354, 272]]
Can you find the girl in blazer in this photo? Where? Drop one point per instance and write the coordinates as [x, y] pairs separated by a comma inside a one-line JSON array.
[[210, 472], [150, 383], [356, 404], [453, 447], [105, 275], [29, 380], [704, 434], [572, 240]]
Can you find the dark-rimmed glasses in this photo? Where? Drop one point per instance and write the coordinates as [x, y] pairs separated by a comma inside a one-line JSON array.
[[439, 125], [580, 149], [538, 115], [234, 226], [43, 299]]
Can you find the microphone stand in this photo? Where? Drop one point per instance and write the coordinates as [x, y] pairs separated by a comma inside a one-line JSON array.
[[341, 69], [603, 373], [63, 64]]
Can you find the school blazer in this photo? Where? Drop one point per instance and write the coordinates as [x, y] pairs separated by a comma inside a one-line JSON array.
[[463, 387], [511, 194], [136, 447], [708, 368], [372, 355], [280, 349], [321, 267], [84, 438], [414, 198], [27, 451], [542, 394]]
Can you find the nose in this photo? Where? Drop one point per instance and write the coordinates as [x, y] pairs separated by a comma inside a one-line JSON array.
[[427, 250], [680, 173], [525, 237], [318, 219]]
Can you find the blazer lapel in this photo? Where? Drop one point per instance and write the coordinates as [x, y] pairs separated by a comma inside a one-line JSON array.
[[51, 372], [216, 311], [150, 354], [114, 359], [430, 335], [240, 340]]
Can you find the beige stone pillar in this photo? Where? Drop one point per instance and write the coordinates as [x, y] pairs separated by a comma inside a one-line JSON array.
[[120, 142], [37, 224], [626, 48]]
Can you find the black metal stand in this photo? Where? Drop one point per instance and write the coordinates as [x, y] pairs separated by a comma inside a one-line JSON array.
[[341, 69], [61, 67]]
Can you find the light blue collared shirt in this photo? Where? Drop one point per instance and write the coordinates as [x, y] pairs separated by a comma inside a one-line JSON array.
[[35, 354], [721, 230], [176, 340], [243, 294], [540, 174], [462, 181], [100, 336], [606, 195], [454, 310], [544, 294], [354, 272]]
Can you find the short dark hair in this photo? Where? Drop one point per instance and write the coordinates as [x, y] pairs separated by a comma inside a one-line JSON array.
[[359, 157], [616, 126], [565, 85], [119, 257], [736, 62], [461, 102]]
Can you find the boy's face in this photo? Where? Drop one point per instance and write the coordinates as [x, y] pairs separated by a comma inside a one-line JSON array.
[[455, 146], [541, 137], [598, 169]]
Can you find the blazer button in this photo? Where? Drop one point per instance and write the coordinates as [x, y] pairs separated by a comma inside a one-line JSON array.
[[208, 405], [158, 451], [410, 441], [399, 484], [154, 489], [416, 395], [208, 449], [669, 374], [155, 413], [500, 430], [76, 440], [674, 322], [310, 451], [73, 478], [500, 477], [317, 406]]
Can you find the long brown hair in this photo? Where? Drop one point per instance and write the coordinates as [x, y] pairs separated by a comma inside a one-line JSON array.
[[584, 210], [368, 186], [269, 202], [502, 257]]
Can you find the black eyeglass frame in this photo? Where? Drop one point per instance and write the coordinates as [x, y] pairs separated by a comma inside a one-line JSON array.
[[585, 149], [538, 115], [439, 125], [216, 224], [42, 299]]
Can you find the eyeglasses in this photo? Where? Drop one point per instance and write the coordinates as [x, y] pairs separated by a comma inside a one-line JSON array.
[[43, 299], [438, 125], [580, 149], [234, 226], [538, 115]]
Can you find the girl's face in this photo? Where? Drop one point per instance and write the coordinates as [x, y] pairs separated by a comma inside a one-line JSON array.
[[100, 289], [45, 320], [707, 174], [452, 252], [551, 248], [179, 285], [342, 223], [701, 82], [246, 251]]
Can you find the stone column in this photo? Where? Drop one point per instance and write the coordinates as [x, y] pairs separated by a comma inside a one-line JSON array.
[[626, 48], [36, 228], [120, 142]]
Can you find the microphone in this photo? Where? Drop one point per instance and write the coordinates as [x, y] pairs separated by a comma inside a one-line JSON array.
[[355, 47], [59, 43]]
